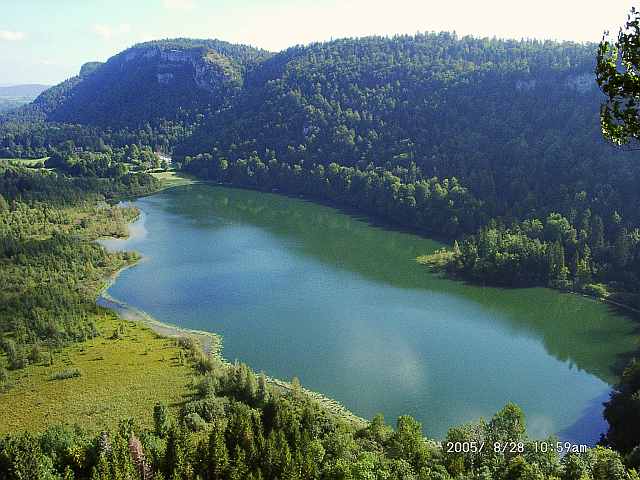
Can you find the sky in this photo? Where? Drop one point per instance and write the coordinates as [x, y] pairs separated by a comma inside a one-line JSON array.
[[46, 41]]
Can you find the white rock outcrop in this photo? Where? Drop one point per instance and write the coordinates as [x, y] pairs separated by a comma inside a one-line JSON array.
[[581, 83]]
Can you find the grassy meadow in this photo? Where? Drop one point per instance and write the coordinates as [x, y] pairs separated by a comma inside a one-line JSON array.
[[121, 375], [26, 162], [171, 178]]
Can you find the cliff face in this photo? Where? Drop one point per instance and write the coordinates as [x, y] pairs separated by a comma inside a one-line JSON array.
[[579, 82], [151, 81], [89, 67], [207, 68]]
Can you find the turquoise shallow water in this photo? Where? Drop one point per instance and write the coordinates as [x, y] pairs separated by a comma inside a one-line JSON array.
[[301, 289]]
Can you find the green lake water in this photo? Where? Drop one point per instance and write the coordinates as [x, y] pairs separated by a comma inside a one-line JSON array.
[[297, 288]]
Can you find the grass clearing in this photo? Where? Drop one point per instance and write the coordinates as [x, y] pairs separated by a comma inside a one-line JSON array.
[[437, 260], [119, 378], [27, 162], [171, 178]]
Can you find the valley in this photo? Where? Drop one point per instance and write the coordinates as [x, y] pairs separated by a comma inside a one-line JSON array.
[[411, 257]]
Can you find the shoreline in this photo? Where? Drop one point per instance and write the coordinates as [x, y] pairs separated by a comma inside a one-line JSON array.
[[437, 269], [212, 343]]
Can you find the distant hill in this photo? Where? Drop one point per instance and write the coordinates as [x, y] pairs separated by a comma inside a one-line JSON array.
[[14, 96], [27, 90]]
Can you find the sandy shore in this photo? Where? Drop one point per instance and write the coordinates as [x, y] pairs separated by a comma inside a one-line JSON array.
[[211, 342]]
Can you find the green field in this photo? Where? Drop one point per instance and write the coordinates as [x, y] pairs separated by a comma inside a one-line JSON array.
[[119, 378], [171, 178]]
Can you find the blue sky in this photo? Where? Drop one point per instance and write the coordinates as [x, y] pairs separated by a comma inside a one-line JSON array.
[[46, 41]]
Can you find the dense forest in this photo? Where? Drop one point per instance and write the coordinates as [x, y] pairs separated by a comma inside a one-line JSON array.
[[238, 427], [462, 138]]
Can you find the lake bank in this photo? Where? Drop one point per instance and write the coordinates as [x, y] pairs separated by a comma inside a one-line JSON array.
[[210, 342], [438, 263]]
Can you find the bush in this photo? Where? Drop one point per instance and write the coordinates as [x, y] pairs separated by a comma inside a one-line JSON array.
[[596, 289], [194, 422], [17, 360], [208, 386], [161, 419], [35, 355], [204, 363], [188, 343], [209, 409], [15, 354], [68, 373], [118, 332]]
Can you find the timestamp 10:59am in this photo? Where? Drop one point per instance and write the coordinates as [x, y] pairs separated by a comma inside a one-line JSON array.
[[561, 448]]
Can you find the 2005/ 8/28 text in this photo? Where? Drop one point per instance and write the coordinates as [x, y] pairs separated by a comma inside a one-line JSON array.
[[514, 447]]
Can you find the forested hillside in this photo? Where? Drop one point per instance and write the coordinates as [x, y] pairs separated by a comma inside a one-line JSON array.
[[495, 143], [447, 136], [444, 135], [149, 82]]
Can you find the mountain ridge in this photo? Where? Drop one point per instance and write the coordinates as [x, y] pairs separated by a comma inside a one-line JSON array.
[[217, 67], [501, 116]]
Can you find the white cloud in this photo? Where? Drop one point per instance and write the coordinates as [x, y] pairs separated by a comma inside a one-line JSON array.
[[179, 4], [146, 36], [10, 36], [108, 32], [279, 25]]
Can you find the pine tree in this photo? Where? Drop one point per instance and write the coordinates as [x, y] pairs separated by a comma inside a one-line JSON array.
[[596, 239], [161, 419], [621, 248], [4, 205], [239, 468], [218, 456], [558, 271], [583, 267], [263, 389]]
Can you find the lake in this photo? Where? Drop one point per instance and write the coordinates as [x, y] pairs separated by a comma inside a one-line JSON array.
[[300, 289]]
